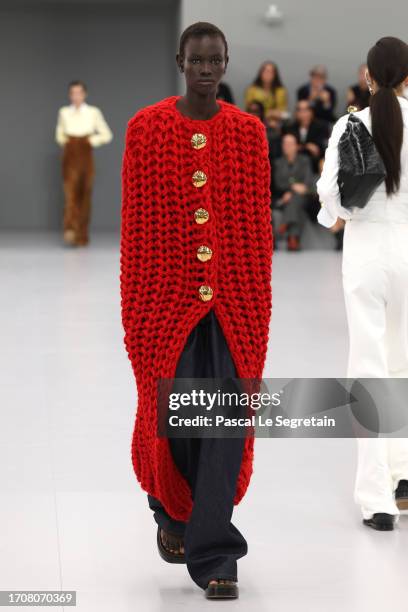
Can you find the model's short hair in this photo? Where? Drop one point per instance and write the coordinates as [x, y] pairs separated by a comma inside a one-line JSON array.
[[199, 29], [76, 83]]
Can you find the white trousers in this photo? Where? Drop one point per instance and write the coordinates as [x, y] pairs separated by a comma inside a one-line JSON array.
[[375, 283]]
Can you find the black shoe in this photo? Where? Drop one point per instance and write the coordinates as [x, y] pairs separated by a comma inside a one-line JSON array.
[[381, 521], [222, 590], [173, 541], [401, 495]]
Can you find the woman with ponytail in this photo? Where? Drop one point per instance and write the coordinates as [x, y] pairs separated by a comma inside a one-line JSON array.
[[375, 272]]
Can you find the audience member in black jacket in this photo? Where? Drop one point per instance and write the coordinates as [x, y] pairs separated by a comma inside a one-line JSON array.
[[312, 134], [321, 95], [273, 134]]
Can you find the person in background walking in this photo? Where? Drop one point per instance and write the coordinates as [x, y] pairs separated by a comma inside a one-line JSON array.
[[80, 127]]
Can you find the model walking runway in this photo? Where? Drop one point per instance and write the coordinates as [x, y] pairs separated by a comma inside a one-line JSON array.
[[196, 239], [375, 265]]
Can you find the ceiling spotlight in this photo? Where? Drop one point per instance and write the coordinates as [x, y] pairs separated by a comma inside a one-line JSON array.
[[273, 15]]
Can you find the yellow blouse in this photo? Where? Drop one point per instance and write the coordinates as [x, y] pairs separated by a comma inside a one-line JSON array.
[[277, 101]]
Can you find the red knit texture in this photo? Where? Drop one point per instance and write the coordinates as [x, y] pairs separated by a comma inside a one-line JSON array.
[[160, 273]]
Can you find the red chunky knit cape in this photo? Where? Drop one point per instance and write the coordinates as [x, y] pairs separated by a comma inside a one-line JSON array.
[[160, 273]]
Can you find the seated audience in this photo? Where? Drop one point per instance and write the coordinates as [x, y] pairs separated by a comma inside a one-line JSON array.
[[312, 134], [358, 94], [274, 135], [267, 88], [320, 94], [293, 184], [256, 108]]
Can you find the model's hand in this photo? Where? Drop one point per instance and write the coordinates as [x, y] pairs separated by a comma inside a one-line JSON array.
[[338, 226]]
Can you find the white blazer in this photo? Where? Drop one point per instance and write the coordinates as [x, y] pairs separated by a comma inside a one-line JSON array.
[[380, 207]]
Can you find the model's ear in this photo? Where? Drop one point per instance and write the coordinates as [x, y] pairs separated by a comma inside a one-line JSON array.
[[179, 60]]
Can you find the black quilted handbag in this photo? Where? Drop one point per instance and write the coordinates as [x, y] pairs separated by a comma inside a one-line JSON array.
[[361, 169]]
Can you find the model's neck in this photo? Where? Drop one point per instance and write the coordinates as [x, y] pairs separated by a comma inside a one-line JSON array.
[[198, 106]]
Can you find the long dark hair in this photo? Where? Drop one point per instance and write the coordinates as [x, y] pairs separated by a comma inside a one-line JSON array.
[[277, 81], [387, 63]]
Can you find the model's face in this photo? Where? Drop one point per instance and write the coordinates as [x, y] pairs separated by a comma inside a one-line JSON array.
[[77, 95], [289, 145], [268, 74], [204, 63]]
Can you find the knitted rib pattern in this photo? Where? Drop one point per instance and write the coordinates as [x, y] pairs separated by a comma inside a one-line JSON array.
[[160, 272]]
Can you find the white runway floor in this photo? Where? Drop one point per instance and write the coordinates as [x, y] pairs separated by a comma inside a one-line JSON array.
[[72, 513]]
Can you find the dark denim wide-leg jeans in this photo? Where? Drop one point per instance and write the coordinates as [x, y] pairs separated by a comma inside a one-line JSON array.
[[212, 544]]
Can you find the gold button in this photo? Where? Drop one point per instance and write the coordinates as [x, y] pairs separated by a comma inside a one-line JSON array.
[[198, 141], [201, 215], [352, 109], [204, 253], [205, 293], [199, 178]]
